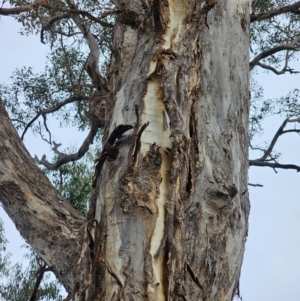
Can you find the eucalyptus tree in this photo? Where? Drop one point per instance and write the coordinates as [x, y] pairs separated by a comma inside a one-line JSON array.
[[167, 84]]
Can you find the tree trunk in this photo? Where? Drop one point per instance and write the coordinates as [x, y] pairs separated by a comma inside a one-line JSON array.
[[169, 212], [173, 202]]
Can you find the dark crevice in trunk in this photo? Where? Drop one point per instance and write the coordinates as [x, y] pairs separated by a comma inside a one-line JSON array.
[[189, 184]]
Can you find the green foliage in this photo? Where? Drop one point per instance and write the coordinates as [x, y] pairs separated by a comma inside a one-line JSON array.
[[20, 282], [74, 180], [4, 256], [31, 92], [275, 31], [17, 283], [268, 34], [65, 73]]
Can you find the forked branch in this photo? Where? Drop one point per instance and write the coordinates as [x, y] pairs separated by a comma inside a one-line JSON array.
[[284, 70], [66, 158], [272, 51], [263, 160], [71, 99]]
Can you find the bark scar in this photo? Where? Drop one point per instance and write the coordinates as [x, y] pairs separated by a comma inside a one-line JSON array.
[[193, 276]]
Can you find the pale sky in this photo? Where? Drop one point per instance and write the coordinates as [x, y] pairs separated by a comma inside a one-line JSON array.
[[271, 264]]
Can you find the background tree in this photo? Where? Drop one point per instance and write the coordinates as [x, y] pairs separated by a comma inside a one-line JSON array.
[[31, 283], [164, 58]]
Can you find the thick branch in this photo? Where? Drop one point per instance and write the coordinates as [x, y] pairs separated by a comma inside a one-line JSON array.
[[17, 10], [273, 142], [47, 221], [293, 8]]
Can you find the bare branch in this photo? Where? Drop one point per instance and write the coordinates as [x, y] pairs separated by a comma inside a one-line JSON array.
[[18, 120], [255, 185], [291, 131], [71, 99], [293, 8], [41, 133], [273, 142], [271, 51], [279, 132], [68, 35], [283, 71], [63, 158], [273, 165]]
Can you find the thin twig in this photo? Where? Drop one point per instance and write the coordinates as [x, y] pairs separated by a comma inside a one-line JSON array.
[[71, 99], [255, 185], [274, 165]]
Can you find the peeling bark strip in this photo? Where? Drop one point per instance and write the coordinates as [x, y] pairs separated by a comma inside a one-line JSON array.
[[176, 224]]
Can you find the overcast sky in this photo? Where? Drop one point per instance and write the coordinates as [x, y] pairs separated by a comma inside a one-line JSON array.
[[271, 264]]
